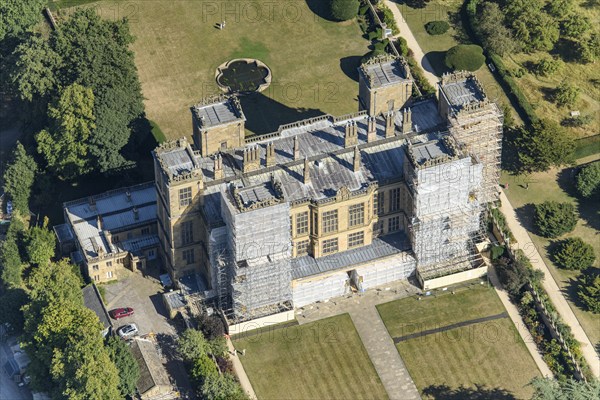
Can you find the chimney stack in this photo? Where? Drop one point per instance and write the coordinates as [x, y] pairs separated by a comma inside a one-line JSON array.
[[251, 159], [296, 148], [390, 128], [100, 222], [351, 135], [306, 172], [270, 157], [371, 129], [218, 166], [406, 121], [356, 159]]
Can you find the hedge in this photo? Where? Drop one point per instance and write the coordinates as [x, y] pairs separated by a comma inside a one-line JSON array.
[[419, 77]]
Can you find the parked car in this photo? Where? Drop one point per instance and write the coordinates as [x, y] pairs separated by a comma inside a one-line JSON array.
[[121, 312], [127, 331]]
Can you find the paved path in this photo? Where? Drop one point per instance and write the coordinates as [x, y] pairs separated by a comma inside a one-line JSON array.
[[373, 334], [525, 243], [238, 368], [406, 33], [450, 327], [517, 320]]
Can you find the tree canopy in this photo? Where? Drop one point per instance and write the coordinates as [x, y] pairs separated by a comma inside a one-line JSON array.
[[40, 244], [19, 177], [553, 219], [129, 371], [574, 253], [550, 389], [17, 16], [589, 292], [494, 34], [588, 180], [343, 10], [543, 145]]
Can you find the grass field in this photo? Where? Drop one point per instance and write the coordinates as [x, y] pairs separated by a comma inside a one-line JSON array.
[[558, 185], [178, 48], [485, 356], [435, 47], [321, 360]]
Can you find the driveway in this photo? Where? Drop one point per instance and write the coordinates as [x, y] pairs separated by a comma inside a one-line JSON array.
[[144, 295]]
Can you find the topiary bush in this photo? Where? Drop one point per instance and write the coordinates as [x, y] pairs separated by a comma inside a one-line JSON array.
[[401, 46], [574, 253], [553, 219], [589, 292], [467, 57], [343, 10], [588, 180], [437, 27]]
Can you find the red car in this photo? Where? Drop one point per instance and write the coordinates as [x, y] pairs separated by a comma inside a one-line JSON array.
[[121, 312]]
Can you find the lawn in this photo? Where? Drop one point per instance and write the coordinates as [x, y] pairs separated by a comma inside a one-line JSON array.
[[435, 47], [484, 356], [321, 360], [558, 185], [178, 48]]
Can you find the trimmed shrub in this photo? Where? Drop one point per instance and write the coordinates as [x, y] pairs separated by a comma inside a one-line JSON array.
[[401, 46], [388, 18], [574, 253], [547, 66], [566, 95], [496, 252], [553, 219], [467, 57], [343, 10], [588, 180], [419, 77], [437, 27], [589, 292]]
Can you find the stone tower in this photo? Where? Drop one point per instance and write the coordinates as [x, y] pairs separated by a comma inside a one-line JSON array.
[[385, 84]]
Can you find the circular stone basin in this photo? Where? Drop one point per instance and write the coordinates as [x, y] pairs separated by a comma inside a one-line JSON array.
[[243, 75]]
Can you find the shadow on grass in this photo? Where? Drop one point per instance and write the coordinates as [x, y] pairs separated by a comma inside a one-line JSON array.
[[525, 216], [436, 59], [320, 8], [349, 66], [480, 392], [265, 115], [587, 207], [570, 290]]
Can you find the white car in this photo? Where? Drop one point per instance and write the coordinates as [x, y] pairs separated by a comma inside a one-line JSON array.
[[127, 331]]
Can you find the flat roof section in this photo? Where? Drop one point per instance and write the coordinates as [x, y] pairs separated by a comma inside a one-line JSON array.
[[219, 113]]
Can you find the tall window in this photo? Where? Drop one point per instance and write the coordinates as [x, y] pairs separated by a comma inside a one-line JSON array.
[[380, 203], [395, 199], [330, 246], [330, 221], [302, 223], [394, 224], [188, 256], [356, 214], [187, 232], [109, 274], [145, 231], [185, 196], [302, 248], [356, 239]]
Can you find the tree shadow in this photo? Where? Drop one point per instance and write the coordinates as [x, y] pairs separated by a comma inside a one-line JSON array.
[[587, 207], [456, 21], [349, 66], [525, 215], [265, 114], [510, 151], [436, 60], [413, 3], [480, 392], [548, 93], [566, 49]]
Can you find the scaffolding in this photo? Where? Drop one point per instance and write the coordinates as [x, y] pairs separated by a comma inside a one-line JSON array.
[[256, 276]]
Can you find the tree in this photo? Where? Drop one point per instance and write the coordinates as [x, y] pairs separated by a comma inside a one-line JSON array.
[[17, 16], [343, 10], [533, 28], [547, 66], [550, 389], [575, 25], [588, 180], [574, 253], [11, 303], [545, 144], [202, 368], [33, 74], [558, 8], [490, 26], [553, 219], [10, 257], [437, 27], [129, 371], [588, 50], [19, 177], [589, 292], [65, 145], [211, 326], [40, 244], [192, 345], [566, 94], [465, 57], [222, 387]]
